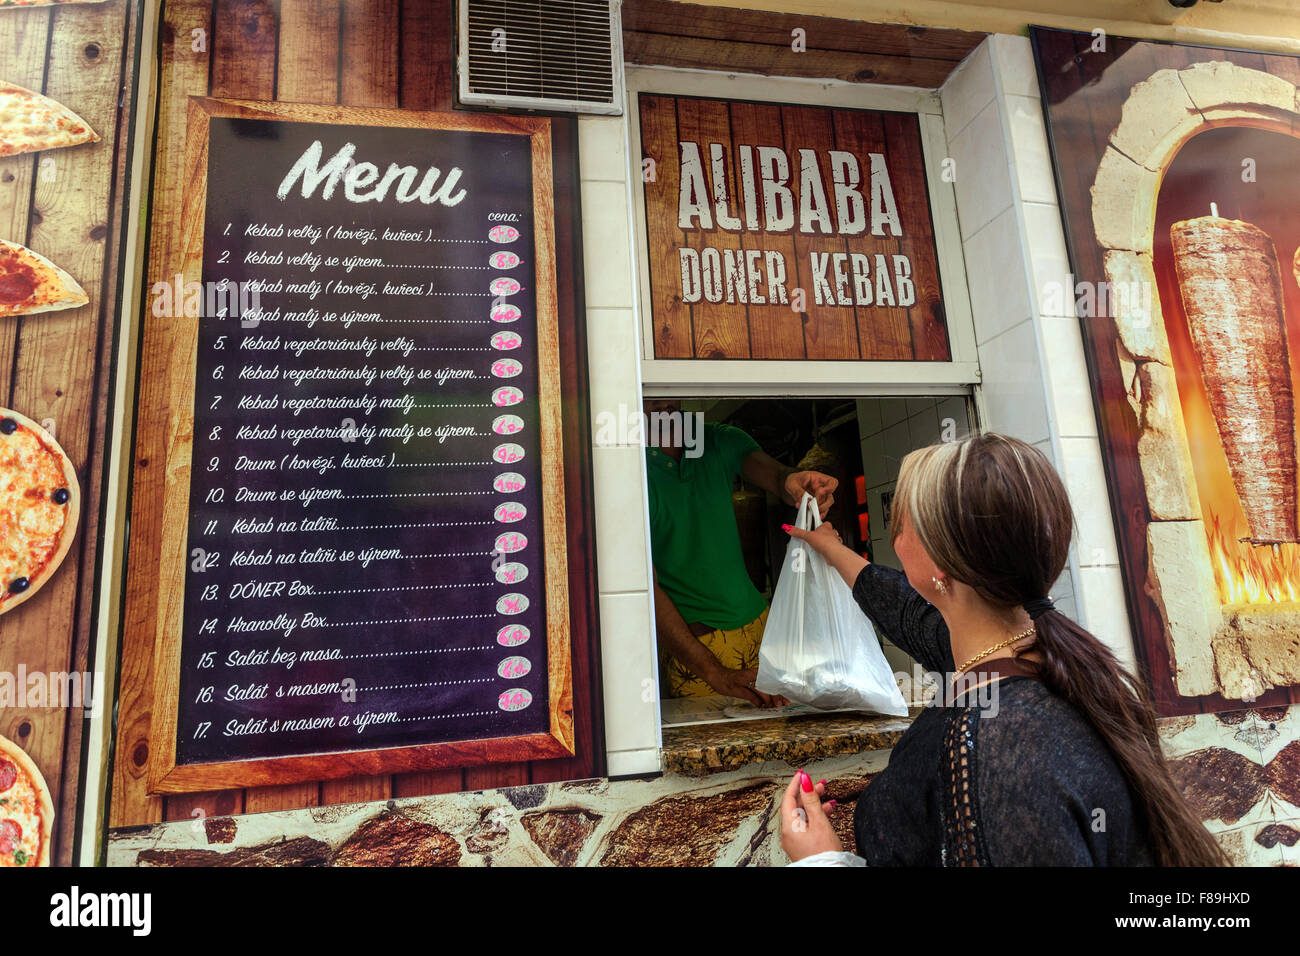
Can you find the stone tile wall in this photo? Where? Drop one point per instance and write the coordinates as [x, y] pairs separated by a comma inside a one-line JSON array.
[[726, 819], [1240, 770]]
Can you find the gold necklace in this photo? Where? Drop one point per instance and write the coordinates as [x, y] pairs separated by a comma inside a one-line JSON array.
[[996, 647]]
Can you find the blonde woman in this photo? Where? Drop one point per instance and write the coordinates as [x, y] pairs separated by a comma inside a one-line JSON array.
[[1066, 768]]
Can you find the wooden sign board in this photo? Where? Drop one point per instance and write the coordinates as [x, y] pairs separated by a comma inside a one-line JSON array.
[[363, 564], [788, 232]]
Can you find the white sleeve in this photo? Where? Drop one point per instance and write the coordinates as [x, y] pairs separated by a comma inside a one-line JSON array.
[[831, 858]]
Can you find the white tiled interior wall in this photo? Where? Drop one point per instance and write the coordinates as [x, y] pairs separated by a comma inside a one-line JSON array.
[[628, 655], [889, 428], [1032, 368]]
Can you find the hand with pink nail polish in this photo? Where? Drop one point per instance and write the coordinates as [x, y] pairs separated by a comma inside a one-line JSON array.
[[804, 827]]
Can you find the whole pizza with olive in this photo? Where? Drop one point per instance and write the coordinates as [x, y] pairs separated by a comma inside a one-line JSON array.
[[39, 503], [26, 810]]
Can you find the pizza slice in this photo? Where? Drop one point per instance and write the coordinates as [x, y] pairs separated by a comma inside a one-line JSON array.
[[39, 504], [30, 122], [26, 810], [31, 283]]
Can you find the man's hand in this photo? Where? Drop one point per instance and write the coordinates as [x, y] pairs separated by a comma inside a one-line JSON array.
[[814, 483], [760, 468], [740, 683]]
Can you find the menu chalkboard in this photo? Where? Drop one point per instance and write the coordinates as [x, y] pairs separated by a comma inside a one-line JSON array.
[[369, 520]]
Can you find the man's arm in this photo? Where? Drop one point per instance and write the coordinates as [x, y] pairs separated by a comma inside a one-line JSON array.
[[761, 469], [690, 652]]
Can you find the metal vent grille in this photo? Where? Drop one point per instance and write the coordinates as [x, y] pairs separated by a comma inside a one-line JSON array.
[[555, 55]]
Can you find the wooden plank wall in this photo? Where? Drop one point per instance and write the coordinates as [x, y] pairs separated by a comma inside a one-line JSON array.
[[1085, 103], [382, 53], [692, 36], [392, 53], [664, 33], [66, 205]]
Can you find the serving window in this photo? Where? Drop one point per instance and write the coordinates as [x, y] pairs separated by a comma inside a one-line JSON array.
[[801, 280], [859, 443]]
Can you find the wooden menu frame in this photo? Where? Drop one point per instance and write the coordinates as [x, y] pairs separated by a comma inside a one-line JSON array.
[[165, 775]]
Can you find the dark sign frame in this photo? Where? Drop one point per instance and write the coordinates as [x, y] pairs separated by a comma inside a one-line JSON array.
[[165, 775]]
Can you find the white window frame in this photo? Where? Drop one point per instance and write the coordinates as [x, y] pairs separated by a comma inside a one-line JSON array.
[[740, 377]]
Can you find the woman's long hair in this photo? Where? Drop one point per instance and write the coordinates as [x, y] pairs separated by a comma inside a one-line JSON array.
[[992, 513]]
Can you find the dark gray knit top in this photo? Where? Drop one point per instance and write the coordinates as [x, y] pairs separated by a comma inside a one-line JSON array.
[[1029, 782]]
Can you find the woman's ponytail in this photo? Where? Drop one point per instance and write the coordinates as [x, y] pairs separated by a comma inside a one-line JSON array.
[[1082, 670]]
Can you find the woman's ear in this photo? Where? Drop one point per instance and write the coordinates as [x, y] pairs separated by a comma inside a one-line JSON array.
[[920, 569]]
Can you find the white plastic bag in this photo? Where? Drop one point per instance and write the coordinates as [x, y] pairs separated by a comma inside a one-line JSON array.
[[818, 647]]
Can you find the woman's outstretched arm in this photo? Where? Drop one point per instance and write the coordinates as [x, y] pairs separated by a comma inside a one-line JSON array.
[[825, 541], [884, 595]]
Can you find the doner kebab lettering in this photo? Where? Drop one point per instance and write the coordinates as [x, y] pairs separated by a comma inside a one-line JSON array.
[[774, 198]]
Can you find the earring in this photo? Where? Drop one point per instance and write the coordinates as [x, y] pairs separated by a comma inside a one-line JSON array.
[[941, 585]]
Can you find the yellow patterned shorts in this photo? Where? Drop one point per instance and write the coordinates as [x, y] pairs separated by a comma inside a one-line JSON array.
[[736, 648]]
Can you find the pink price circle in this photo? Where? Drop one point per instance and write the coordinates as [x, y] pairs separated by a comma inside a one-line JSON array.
[[504, 286], [503, 260], [512, 604], [507, 424], [513, 667], [512, 635], [507, 395], [508, 454], [511, 542], [512, 572], [503, 234], [508, 481], [514, 699], [509, 512]]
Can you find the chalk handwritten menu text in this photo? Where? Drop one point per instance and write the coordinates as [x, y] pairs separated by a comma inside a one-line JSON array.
[[364, 538]]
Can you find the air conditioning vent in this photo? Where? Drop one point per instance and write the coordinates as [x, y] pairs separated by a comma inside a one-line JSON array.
[[551, 55]]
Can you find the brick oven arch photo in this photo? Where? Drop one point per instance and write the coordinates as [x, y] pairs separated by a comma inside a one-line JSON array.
[[1198, 225]]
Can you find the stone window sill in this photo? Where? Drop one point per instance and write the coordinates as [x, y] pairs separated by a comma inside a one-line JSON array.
[[697, 750]]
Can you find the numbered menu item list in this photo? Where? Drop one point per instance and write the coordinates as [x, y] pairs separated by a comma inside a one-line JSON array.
[[365, 536]]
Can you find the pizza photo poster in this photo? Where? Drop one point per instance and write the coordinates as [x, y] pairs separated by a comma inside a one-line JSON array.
[[1175, 167], [67, 99]]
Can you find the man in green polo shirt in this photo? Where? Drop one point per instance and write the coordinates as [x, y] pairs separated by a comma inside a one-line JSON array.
[[708, 614]]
